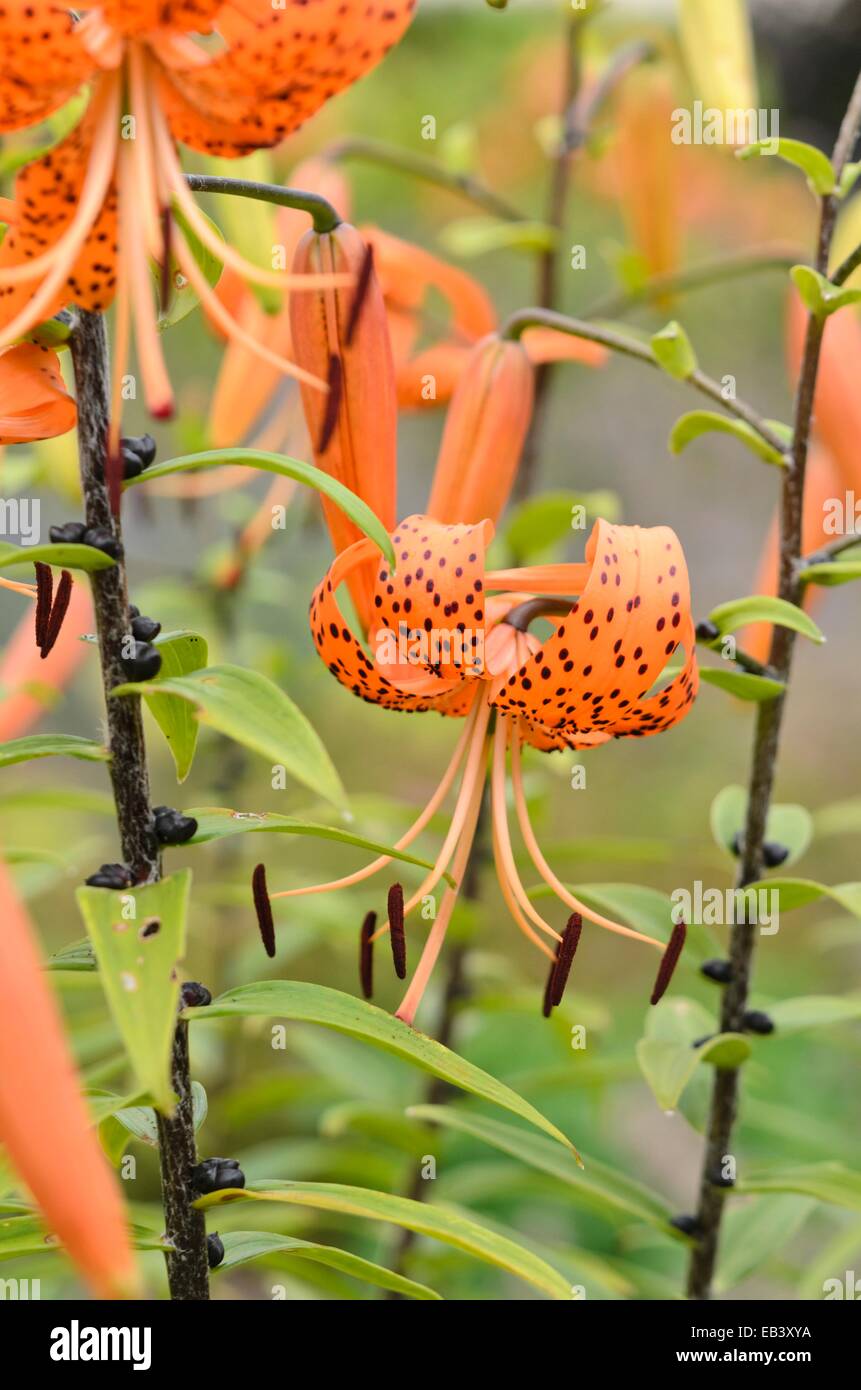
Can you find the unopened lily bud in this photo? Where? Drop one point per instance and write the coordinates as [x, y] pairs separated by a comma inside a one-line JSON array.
[[342, 336], [485, 431]]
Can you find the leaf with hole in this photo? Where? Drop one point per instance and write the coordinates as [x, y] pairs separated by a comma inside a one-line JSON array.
[[138, 937]]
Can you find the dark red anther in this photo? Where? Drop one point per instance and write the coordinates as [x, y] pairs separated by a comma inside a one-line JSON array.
[[396, 930], [669, 960], [366, 955], [44, 594], [263, 908], [333, 405], [59, 609], [547, 1002], [165, 277], [361, 293], [565, 957]]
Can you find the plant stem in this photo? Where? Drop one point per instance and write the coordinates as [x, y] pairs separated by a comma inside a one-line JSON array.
[[632, 347], [700, 277], [766, 742], [325, 216], [418, 166], [188, 1272]]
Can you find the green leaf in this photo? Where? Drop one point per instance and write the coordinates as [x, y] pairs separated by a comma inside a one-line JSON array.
[[743, 684], [812, 162], [820, 296], [789, 824], [830, 573], [248, 708], [849, 178], [352, 506], [138, 967], [181, 653], [755, 1232], [306, 1003], [241, 1247], [77, 956], [792, 893], [813, 1011], [674, 352], [22, 750], [667, 1057], [70, 557], [184, 297], [700, 422], [140, 1120], [596, 1186], [825, 1182], [762, 608], [539, 523], [476, 236], [217, 822], [422, 1217]]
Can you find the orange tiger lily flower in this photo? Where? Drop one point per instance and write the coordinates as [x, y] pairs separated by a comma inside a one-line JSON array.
[[44, 1123], [34, 402], [446, 634], [96, 209]]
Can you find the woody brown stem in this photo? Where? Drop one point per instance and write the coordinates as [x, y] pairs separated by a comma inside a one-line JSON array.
[[188, 1273], [725, 1094]]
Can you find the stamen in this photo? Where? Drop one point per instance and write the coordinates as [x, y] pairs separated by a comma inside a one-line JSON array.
[[397, 935], [44, 595], [157, 387], [545, 870], [503, 854], [165, 284], [58, 612], [263, 908], [366, 955], [360, 295], [669, 961], [547, 1001], [412, 834], [333, 404], [565, 957]]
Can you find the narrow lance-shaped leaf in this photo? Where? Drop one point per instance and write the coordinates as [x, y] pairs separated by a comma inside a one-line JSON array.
[[70, 557], [252, 710], [139, 940], [699, 422], [22, 750], [181, 653], [241, 1247], [762, 608]]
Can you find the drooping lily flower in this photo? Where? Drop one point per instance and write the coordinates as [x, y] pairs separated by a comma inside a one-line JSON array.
[[444, 633], [44, 1123], [222, 78], [34, 402]]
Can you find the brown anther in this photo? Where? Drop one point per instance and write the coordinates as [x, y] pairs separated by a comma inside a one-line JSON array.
[[366, 954], [396, 930], [565, 957], [333, 405], [361, 294], [44, 594], [58, 612], [263, 908], [669, 961]]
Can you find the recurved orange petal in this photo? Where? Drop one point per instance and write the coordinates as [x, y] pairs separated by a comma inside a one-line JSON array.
[[43, 61], [44, 1123], [591, 680], [34, 402]]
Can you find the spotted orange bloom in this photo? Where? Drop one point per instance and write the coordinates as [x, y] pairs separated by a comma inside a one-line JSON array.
[[34, 402], [222, 78], [445, 633]]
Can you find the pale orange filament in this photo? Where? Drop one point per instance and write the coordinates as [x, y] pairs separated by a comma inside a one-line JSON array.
[[506, 867], [473, 778], [144, 152], [407, 839], [157, 387], [28, 590], [544, 868], [61, 257], [432, 947]]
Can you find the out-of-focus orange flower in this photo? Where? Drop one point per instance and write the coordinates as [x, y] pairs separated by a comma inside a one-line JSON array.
[[647, 170], [44, 1123], [223, 78], [28, 684], [834, 465], [34, 402], [447, 634]]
